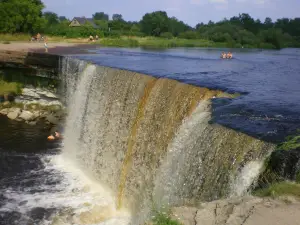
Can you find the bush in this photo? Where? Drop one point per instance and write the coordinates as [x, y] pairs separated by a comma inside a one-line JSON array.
[[189, 35], [73, 32], [164, 219], [10, 87], [167, 35]]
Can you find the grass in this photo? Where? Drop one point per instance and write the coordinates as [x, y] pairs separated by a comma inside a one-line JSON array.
[[292, 142], [14, 37], [154, 42], [10, 87], [280, 189], [126, 41], [164, 219]]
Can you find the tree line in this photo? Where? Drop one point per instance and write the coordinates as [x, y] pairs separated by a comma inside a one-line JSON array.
[[26, 16]]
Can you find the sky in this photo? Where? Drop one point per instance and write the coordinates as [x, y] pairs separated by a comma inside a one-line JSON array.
[[189, 11]]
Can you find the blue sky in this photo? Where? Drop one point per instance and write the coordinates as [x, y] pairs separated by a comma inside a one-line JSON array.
[[190, 11]]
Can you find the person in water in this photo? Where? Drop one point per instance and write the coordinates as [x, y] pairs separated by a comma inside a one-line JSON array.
[[54, 136], [229, 55], [223, 55]]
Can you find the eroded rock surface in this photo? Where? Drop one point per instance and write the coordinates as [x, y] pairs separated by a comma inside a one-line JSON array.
[[242, 211]]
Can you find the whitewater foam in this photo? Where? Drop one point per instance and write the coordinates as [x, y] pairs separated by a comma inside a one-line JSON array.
[[74, 197]]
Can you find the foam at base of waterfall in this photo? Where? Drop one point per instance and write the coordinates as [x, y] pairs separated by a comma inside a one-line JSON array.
[[66, 193]]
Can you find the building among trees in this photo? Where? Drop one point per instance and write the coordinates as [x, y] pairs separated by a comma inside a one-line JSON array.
[[82, 21]]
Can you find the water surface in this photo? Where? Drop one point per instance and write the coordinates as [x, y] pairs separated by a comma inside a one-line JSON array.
[[268, 80]]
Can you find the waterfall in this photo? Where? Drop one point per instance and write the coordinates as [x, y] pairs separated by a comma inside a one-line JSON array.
[[149, 140]]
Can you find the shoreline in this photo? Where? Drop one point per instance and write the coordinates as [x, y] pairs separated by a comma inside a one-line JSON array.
[[54, 48]]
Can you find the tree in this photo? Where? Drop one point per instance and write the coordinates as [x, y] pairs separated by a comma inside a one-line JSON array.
[[118, 17], [268, 22], [176, 27], [51, 18], [62, 18], [100, 16], [155, 23], [21, 16]]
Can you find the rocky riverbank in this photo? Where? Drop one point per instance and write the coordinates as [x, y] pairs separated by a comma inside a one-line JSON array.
[[34, 104], [241, 211]]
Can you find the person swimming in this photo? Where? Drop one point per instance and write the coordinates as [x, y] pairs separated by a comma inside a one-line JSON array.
[[56, 135], [223, 55]]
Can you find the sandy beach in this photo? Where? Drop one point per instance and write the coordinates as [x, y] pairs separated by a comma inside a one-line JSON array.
[[53, 47]]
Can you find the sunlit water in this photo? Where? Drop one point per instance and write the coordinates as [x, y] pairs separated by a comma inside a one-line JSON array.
[[269, 81]]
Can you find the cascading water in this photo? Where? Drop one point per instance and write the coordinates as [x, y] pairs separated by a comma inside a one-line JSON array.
[[148, 141]]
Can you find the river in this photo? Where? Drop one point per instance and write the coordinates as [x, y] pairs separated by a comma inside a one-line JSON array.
[[39, 186]]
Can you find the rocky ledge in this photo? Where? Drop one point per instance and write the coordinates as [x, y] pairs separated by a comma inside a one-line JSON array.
[[241, 211], [34, 104]]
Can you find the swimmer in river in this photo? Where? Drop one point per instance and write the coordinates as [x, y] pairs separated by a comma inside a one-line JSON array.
[[223, 55], [54, 136]]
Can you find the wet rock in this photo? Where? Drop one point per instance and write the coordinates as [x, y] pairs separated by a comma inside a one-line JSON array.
[[36, 115], [14, 113], [26, 115], [52, 119], [4, 111], [30, 93], [32, 123], [286, 164]]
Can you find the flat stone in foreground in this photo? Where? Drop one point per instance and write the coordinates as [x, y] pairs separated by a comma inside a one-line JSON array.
[[243, 211]]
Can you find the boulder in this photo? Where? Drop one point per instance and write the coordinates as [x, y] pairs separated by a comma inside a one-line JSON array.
[[30, 92], [14, 113], [52, 119], [26, 115], [4, 111]]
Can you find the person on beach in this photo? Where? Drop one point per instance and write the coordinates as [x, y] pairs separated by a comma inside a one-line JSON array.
[[45, 44], [91, 38]]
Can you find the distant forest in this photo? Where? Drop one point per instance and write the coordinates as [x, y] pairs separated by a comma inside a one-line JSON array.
[[26, 16]]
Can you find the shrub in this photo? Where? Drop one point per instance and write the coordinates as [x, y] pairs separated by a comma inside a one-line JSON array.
[[167, 35]]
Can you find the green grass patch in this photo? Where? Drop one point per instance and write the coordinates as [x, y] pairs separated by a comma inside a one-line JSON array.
[[292, 142], [14, 37], [10, 87], [280, 189], [164, 219], [11, 105], [157, 43], [118, 42]]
